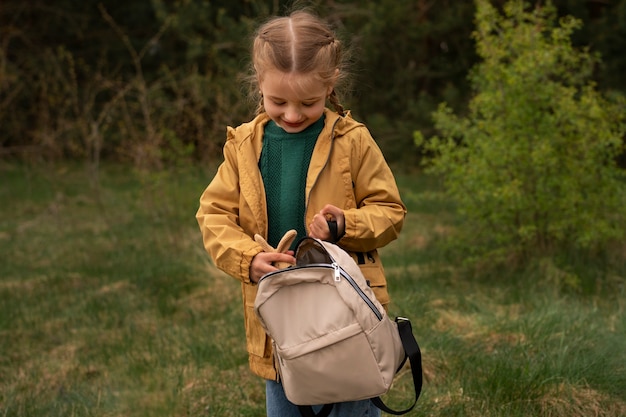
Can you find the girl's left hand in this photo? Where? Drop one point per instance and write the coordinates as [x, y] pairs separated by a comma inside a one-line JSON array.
[[319, 226], [263, 262]]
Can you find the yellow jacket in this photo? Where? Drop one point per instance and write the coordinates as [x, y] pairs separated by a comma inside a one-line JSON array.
[[347, 170]]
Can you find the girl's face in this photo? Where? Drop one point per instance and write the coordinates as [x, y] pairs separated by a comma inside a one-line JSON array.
[[293, 101]]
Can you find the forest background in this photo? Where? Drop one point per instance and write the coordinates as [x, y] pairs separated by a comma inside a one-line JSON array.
[[156, 82]]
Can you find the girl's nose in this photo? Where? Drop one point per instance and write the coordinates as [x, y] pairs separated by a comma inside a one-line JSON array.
[[292, 115]]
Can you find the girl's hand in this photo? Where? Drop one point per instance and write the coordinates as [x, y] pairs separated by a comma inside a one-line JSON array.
[[319, 226], [263, 263]]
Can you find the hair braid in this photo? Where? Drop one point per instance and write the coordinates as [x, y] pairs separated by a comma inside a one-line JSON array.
[[334, 100]]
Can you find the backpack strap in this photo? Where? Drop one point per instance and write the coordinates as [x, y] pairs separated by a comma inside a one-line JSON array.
[[334, 231], [412, 350]]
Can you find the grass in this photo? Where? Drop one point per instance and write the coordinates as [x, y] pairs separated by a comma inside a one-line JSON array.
[[110, 307]]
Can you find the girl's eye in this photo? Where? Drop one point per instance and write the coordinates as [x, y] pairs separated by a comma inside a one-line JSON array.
[[307, 104], [279, 103]]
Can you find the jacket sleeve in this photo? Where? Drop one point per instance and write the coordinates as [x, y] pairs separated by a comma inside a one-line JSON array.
[[380, 212], [229, 246]]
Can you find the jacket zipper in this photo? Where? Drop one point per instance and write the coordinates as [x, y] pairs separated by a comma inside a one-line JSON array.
[[332, 139]]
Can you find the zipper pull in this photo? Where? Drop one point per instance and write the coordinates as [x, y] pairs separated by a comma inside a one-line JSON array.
[[337, 272]]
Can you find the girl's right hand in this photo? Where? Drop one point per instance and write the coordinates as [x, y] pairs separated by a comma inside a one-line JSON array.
[[319, 227], [263, 263]]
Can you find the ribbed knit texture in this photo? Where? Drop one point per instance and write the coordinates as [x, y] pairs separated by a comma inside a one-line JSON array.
[[284, 163]]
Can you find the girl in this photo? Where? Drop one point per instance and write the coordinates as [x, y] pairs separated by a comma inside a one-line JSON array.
[[295, 166]]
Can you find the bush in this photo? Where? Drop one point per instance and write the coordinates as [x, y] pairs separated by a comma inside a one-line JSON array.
[[532, 166]]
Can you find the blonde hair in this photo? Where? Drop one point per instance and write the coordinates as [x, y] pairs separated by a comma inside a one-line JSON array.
[[299, 43]]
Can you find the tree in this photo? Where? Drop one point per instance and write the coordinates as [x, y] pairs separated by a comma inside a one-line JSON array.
[[532, 166]]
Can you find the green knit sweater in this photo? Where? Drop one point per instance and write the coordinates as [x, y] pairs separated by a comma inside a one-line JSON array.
[[284, 163]]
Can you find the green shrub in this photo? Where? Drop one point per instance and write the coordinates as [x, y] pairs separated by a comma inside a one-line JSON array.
[[531, 167]]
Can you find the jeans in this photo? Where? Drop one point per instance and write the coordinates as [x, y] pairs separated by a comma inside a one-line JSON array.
[[279, 406]]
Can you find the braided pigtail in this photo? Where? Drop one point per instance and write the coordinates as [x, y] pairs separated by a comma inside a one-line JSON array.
[[334, 100]]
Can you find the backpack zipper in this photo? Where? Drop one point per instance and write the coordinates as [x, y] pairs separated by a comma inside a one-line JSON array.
[[359, 291], [338, 272]]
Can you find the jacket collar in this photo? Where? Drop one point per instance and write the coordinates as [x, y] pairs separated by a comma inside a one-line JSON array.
[[339, 124]]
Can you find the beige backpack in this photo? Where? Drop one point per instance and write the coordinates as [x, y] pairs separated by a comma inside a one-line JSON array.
[[332, 339]]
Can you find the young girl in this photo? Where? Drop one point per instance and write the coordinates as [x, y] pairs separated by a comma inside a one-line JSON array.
[[295, 166]]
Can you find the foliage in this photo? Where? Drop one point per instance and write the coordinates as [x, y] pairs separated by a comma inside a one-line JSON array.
[[157, 91], [155, 82], [411, 54], [532, 166], [205, 77]]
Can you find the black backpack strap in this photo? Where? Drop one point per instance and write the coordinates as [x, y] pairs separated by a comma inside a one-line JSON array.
[[307, 411], [412, 350]]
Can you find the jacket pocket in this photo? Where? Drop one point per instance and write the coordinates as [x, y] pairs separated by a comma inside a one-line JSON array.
[[256, 338], [375, 276]]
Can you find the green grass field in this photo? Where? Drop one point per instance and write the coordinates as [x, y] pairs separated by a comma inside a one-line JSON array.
[[110, 307]]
